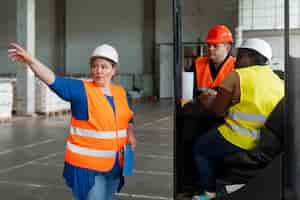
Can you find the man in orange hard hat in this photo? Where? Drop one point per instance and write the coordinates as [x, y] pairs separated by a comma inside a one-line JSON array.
[[218, 62], [209, 71]]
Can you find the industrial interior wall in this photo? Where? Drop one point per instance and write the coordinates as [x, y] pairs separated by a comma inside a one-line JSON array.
[[7, 34], [91, 23], [46, 32], [197, 17]]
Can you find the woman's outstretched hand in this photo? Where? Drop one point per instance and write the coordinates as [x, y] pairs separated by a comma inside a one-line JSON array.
[[18, 54]]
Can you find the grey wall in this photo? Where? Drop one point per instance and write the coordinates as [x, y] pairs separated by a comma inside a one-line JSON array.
[[46, 32], [163, 21], [198, 17], [149, 35], [91, 23], [7, 34]]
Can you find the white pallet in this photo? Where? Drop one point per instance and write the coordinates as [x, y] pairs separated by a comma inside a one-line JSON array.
[[6, 98], [47, 101]]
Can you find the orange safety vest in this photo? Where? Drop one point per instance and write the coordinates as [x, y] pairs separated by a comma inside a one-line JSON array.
[[203, 75], [94, 143]]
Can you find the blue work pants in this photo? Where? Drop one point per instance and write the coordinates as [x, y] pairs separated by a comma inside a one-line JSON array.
[[209, 149], [104, 188]]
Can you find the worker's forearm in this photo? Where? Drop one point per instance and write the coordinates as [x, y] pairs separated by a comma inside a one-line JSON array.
[[130, 129], [221, 103], [42, 71]]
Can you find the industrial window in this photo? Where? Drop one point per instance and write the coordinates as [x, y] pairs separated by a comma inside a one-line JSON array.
[[267, 14]]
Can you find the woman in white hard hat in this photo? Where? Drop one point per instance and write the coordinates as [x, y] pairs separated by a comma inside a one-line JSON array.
[[246, 98], [100, 125]]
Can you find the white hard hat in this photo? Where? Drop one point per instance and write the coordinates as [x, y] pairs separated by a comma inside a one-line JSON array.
[[258, 45], [106, 51]]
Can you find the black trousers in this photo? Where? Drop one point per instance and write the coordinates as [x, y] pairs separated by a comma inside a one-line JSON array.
[[195, 120]]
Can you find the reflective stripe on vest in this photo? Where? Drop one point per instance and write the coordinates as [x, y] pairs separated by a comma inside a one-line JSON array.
[[90, 152], [98, 134], [250, 133], [247, 117], [94, 143]]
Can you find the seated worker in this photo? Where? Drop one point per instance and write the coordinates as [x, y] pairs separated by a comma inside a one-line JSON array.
[[247, 96], [218, 62], [209, 72]]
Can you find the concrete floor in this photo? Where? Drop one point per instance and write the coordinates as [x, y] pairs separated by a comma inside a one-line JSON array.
[[31, 157]]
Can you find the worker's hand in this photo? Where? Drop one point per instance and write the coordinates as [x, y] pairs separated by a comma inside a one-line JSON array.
[[212, 92], [183, 101], [131, 137], [18, 54], [132, 141], [207, 97]]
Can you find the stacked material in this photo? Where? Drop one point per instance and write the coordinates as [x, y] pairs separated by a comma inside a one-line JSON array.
[[126, 80], [136, 96], [47, 101], [14, 85], [6, 99], [147, 84]]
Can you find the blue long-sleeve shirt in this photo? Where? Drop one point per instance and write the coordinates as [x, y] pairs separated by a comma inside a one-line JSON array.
[[81, 180]]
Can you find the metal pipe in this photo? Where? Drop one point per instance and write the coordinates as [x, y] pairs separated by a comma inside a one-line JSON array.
[[177, 50], [177, 63], [289, 169], [286, 186], [293, 137]]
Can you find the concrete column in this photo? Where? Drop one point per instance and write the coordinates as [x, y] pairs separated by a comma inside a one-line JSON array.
[[238, 36], [26, 37], [166, 87]]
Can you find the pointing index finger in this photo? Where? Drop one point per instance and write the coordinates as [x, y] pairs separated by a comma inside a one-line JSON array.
[[16, 46], [11, 50]]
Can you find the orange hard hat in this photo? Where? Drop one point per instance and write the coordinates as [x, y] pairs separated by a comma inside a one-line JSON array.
[[219, 34]]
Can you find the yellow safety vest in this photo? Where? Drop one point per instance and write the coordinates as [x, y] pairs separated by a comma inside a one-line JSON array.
[[261, 90]]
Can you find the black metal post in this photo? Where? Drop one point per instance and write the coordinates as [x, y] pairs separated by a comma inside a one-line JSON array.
[[292, 117], [288, 169], [293, 137], [177, 59]]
